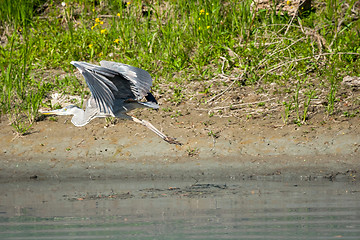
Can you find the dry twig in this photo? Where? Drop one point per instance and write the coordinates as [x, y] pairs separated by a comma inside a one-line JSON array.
[[218, 95], [305, 58]]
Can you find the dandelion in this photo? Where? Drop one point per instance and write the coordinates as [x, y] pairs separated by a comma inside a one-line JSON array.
[[202, 11], [102, 22], [90, 45], [207, 27], [207, 14], [118, 14], [199, 19], [97, 20], [116, 40], [103, 31], [92, 28], [128, 3]]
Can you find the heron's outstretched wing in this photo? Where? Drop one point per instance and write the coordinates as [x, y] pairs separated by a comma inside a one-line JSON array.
[[140, 80], [97, 79]]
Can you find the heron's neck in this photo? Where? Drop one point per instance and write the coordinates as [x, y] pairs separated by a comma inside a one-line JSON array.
[[79, 117]]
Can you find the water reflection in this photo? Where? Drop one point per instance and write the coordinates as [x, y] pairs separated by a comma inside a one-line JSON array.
[[179, 210]]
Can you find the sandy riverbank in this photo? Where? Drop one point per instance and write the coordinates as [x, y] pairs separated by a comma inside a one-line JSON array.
[[128, 150]]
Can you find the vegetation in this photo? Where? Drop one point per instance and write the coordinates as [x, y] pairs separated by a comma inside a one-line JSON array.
[[197, 40]]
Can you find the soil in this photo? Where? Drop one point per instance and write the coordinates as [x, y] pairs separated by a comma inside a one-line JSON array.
[[229, 136]]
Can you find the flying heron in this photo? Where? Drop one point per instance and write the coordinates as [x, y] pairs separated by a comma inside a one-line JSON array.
[[116, 89]]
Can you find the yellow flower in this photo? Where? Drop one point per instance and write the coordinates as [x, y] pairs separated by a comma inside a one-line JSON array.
[[207, 27], [199, 28], [118, 14], [288, 2], [103, 31], [93, 9], [207, 13], [100, 54], [97, 20], [92, 28], [116, 40], [128, 3], [202, 11], [90, 45], [199, 18], [101, 23]]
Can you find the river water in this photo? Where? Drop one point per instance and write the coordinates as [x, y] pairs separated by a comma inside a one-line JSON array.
[[169, 209]]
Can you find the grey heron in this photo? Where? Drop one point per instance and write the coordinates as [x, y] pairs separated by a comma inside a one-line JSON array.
[[116, 89]]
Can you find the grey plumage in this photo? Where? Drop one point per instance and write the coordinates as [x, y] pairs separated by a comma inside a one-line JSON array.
[[116, 89]]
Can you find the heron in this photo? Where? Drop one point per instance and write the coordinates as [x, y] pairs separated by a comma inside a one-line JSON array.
[[116, 89]]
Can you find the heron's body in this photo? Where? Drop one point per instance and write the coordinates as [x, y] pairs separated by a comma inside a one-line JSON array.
[[121, 107], [116, 89]]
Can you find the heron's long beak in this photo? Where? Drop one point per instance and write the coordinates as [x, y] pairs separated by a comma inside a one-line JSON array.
[[54, 112]]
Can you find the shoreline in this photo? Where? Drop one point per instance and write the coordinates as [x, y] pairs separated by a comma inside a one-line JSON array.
[[57, 150]]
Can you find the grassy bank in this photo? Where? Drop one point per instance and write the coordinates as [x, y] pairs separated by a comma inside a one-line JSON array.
[[180, 42]]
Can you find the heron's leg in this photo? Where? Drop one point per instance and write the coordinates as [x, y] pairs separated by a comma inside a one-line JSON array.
[[156, 131], [150, 126]]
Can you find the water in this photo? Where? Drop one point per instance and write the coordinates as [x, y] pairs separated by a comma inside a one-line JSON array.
[[117, 209]]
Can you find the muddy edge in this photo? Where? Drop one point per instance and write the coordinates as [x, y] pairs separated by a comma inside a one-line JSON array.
[[127, 150]]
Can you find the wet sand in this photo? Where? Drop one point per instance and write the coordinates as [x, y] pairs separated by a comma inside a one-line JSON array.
[[58, 150]]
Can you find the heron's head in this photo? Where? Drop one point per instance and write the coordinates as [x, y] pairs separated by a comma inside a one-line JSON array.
[[68, 110]]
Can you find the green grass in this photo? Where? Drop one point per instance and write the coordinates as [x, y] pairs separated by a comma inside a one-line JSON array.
[[198, 39]]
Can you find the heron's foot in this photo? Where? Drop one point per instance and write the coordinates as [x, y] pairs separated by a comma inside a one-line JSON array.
[[172, 141]]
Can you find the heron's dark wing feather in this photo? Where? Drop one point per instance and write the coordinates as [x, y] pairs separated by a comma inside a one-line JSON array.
[[150, 98], [123, 88], [139, 79], [97, 79], [102, 94]]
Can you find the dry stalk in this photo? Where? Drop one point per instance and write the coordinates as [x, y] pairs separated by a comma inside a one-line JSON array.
[[305, 58], [280, 50], [242, 104], [230, 86]]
